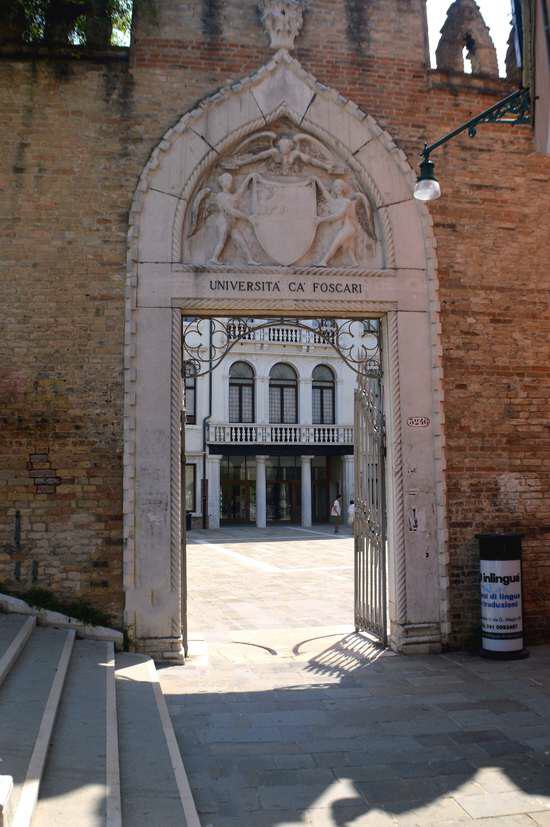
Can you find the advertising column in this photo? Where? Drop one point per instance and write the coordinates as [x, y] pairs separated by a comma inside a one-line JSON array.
[[501, 596]]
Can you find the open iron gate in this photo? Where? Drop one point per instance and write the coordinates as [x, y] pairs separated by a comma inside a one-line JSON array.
[[370, 511], [358, 343]]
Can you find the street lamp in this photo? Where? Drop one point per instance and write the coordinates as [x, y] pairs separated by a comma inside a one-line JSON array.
[[517, 104], [427, 186]]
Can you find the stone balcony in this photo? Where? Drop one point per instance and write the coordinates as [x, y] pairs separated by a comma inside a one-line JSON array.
[[280, 335], [257, 434]]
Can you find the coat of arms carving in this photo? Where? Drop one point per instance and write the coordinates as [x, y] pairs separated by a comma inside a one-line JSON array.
[[281, 198]]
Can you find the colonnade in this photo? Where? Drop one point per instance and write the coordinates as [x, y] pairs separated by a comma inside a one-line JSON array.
[[214, 462]]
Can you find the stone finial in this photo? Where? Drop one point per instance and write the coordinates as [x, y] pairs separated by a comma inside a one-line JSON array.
[[283, 21], [513, 71], [465, 27]]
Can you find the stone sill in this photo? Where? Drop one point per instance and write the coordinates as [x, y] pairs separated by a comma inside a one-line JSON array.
[[109, 54], [45, 617]]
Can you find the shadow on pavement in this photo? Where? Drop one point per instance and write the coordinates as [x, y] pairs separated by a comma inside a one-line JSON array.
[[381, 739], [273, 534]]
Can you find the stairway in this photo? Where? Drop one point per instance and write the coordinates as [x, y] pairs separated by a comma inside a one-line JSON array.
[[85, 735]]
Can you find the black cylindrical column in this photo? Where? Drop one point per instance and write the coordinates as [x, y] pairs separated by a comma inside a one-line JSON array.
[[500, 579]]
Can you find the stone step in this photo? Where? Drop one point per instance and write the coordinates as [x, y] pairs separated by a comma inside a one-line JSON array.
[[14, 633], [154, 786], [15, 630], [29, 699], [45, 617], [59, 735], [80, 783], [6, 790]]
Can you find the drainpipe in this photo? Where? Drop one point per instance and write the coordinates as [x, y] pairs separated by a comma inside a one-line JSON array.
[[205, 422]]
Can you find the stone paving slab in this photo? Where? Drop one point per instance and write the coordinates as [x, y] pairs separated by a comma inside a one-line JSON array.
[[285, 716], [245, 578], [318, 735]]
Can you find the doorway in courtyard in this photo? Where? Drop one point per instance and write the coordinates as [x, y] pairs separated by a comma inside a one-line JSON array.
[[275, 410], [283, 488]]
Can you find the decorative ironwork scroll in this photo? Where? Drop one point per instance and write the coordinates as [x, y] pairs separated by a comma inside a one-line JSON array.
[[513, 110], [206, 342]]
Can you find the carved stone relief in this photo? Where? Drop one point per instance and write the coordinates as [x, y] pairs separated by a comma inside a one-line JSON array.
[[281, 197], [283, 21]]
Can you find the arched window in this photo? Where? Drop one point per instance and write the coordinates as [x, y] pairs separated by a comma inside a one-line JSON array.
[[468, 53], [323, 396], [190, 371], [241, 393], [283, 395]]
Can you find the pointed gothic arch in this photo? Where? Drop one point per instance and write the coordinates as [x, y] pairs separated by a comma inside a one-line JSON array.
[[400, 286]]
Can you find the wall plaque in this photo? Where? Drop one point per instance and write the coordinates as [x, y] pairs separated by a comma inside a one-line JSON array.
[[419, 421]]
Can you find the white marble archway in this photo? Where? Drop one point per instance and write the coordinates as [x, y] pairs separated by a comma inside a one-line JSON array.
[[402, 289]]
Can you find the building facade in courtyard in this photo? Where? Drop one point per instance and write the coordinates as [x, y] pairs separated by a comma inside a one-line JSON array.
[[257, 160], [269, 437]]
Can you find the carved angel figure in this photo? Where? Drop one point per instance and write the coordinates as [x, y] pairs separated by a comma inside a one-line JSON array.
[[225, 204], [283, 152], [344, 205]]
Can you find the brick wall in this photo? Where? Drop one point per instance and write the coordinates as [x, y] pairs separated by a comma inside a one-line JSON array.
[[65, 133], [75, 135]]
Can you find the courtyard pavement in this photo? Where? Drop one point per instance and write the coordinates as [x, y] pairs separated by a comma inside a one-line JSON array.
[[281, 725], [280, 577]]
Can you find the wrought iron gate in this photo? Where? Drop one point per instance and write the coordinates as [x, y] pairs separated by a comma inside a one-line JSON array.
[[370, 512], [207, 341]]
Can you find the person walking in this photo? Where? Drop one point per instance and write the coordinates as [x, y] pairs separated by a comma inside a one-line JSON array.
[[336, 512]]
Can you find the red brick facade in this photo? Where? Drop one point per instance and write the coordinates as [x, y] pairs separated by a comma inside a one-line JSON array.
[[76, 131]]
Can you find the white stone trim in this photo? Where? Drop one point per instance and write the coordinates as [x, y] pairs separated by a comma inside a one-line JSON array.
[[15, 648], [397, 512], [113, 804], [438, 414], [6, 800], [185, 154], [29, 790], [182, 781], [45, 617], [175, 465]]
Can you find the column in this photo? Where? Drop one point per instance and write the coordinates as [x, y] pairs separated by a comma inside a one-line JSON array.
[[261, 493], [348, 482], [306, 491], [305, 402], [213, 472], [262, 400]]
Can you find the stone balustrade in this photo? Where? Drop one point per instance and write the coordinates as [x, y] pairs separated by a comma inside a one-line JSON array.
[[279, 335], [257, 434]]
